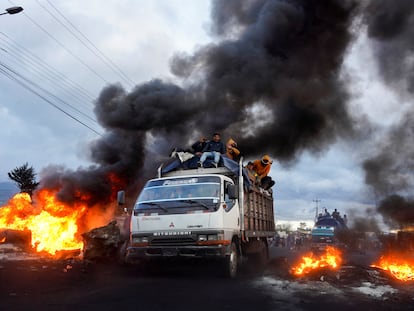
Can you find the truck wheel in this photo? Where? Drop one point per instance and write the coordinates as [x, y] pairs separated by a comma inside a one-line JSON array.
[[231, 262]]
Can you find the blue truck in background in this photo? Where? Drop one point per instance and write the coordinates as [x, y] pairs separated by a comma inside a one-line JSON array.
[[326, 231]]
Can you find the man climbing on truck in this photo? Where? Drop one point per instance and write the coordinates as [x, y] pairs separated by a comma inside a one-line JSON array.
[[262, 170]]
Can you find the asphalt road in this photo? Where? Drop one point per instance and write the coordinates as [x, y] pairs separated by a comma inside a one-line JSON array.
[[76, 285]]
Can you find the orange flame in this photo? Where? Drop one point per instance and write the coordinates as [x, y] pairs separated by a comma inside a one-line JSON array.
[[52, 224], [402, 269], [330, 259]]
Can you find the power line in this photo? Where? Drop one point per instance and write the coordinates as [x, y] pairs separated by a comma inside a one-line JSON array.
[[66, 49], [25, 83], [49, 74], [55, 96], [49, 68], [44, 72], [96, 51]]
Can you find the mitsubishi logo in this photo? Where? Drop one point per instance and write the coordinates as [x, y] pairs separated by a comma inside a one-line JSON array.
[[172, 225]]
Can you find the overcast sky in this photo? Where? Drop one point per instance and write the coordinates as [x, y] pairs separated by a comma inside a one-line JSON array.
[[140, 37]]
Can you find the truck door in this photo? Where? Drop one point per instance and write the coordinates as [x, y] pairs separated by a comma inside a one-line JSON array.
[[231, 208]]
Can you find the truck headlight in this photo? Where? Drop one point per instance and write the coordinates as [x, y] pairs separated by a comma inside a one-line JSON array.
[[202, 237], [139, 239], [210, 237]]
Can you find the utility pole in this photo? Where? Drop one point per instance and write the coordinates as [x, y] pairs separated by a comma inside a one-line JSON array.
[[317, 206]]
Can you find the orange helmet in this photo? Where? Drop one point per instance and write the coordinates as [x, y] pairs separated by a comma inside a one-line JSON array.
[[266, 160]]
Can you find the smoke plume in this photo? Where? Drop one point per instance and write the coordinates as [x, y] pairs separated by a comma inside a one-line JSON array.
[[390, 26], [278, 58], [271, 80], [397, 211]]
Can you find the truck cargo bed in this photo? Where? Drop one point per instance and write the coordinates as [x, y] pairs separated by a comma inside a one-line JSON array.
[[258, 214]]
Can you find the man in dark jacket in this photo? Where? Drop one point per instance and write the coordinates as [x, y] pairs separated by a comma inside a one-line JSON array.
[[199, 145], [213, 149]]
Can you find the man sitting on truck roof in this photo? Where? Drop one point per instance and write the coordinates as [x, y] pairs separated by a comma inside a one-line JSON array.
[[199, 145], [231, 150], [213, 149]]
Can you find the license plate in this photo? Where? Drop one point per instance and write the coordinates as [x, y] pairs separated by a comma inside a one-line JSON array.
[[169, 252]]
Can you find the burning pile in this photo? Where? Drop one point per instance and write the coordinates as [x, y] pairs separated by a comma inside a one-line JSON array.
[[400, 267], [52, 225], [331, 259], [49, 225]]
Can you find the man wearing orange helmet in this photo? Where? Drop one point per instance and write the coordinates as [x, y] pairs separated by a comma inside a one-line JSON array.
[[262, 169]]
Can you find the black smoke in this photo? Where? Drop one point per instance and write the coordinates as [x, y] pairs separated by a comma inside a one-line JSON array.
[[397, 211], [271, 80], [390, 25], [284, 56], [390, 168], [390, 28], [280, 57]]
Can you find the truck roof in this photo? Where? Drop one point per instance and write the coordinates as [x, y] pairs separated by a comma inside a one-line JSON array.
[[200, 171]]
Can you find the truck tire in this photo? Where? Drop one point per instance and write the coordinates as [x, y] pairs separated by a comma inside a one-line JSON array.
[[231, 262]]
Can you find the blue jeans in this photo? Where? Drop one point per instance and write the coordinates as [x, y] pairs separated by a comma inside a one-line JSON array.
[[210, 154]]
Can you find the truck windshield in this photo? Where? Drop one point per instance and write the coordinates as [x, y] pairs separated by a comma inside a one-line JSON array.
[[180, 195]]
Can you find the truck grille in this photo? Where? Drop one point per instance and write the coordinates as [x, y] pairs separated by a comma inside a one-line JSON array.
[[173, 241]]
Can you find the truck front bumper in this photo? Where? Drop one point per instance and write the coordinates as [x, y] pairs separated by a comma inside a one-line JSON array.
[[148, 252]]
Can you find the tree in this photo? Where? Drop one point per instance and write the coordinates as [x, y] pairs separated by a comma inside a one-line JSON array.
[[25, 178]]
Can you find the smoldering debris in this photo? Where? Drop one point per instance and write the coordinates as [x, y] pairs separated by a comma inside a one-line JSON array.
[[21, 238], [102, 243]]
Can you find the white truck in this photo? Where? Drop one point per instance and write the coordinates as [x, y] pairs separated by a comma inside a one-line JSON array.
[[201, 213]]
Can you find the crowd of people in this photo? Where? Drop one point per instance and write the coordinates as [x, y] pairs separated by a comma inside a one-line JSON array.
[[209, 153]]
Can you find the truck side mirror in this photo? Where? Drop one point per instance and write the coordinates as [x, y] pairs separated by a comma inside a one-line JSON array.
[[232, 192], [121, 197]]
